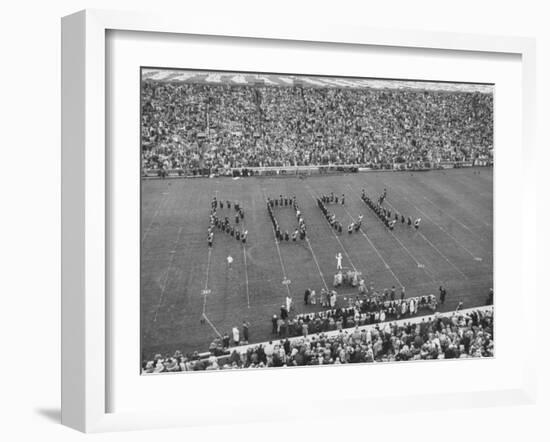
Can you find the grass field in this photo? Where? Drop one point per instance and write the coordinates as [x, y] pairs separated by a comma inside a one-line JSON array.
[[453, 247]]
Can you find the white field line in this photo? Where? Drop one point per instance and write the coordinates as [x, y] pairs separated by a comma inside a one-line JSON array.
[[424, 214], [386, 265], [165, 283], [433, 246], [457, 221], [475, 257], [205, 291], [449, 235], [334, 234], [211, 325], [278, 251], [468, 184], [418, 263], [153, 218], [246, 277], [205, 294], [317, 264], [442, 255]]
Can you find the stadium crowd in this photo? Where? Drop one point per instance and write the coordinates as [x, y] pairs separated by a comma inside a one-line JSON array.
[[205, 127], [460, 335]]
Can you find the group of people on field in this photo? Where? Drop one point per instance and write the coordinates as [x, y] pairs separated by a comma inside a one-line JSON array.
[[285, 201], [223, 224], [385, 214]]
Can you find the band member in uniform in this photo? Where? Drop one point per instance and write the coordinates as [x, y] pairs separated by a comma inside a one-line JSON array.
[[210, 239], [417, 223]]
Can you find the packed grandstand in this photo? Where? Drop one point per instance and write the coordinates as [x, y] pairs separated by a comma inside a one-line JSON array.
[[196, 125]]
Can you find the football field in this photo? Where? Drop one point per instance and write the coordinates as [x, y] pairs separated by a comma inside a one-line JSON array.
[[183, 279]]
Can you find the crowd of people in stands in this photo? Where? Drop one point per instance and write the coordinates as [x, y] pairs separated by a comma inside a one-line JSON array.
[[197, 127], [459, 335]]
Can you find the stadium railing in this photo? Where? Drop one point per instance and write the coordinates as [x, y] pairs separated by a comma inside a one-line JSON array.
[[285, 171]]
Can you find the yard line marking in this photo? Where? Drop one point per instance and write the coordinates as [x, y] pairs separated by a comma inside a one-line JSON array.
[[458, 221], [334, 234], [386, 265], [211, 325], [418, 263], [442, 255], [165, 194], [448, 234], [433, 246], [475, 257], [317, 264], [165, 283], [285, 279], [206, 291], [246, 277]]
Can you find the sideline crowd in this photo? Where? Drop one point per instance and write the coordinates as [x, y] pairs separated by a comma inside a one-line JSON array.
[[459, 335]]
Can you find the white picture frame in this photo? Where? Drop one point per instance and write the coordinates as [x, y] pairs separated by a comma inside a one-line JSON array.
[[85, 201]]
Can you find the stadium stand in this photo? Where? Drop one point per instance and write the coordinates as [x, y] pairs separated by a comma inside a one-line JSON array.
[[203, 129], [460, 334]]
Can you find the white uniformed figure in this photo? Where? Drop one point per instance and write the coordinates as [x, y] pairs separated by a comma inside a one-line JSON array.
[[229, 261], [337, 282], [236, 337], [288, 303], [339, 261]]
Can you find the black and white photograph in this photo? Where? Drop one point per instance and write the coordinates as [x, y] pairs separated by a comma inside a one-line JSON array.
[[304, 220]]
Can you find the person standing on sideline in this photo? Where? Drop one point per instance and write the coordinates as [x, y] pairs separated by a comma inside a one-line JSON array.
[[236, 338], [274, 325], [332, 299], [288, 303], [245, 331], [307, 294], [339, 261], [442, 294], [312, 299]]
